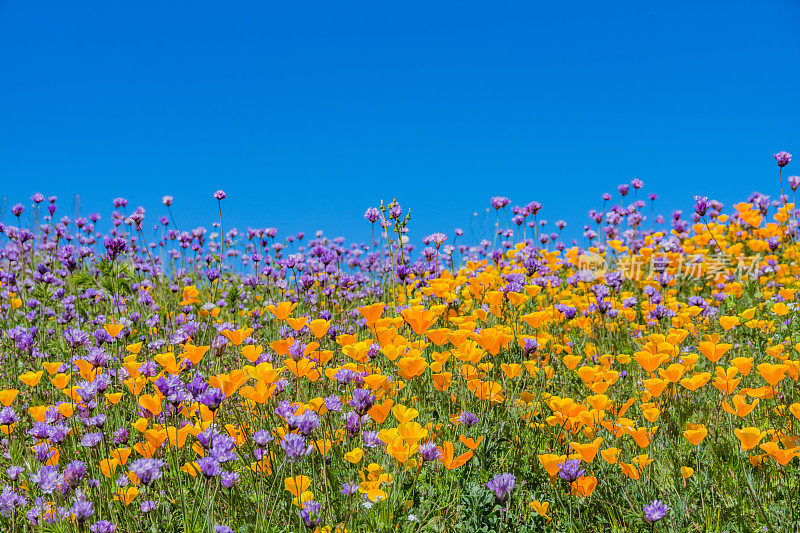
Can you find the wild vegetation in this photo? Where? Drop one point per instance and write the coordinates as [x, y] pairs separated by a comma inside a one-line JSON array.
[[644, 378]]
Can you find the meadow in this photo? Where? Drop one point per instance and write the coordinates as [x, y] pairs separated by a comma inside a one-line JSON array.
[[640, 378]]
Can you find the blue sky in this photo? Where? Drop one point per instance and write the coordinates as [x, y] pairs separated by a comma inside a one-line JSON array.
[[307, 113]]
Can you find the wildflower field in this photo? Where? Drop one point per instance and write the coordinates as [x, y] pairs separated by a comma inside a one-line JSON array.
[[643, 377]]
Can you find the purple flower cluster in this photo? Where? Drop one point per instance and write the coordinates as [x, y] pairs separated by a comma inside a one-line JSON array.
[[502, 485]]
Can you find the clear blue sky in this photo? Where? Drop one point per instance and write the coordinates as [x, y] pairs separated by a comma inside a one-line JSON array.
[[307, 113]]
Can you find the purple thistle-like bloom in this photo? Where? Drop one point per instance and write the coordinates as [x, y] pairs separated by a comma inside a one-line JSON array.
[[74, 473], [782, 158], [47, 478], [262, 437], [372, 214], [344, 376], [468, 419], [570, 470], [115, 246], [533, 208], [285, 409], [354, 422], [223, 449], [371, 439], [90, 440], [295, 447], [149, 369], [297, 351], [228, 479], [794, 182], [13, 472], [197, 386], [83, 510], [209, 466], [568, 312], [206, 438], [103, 526], [305, 423], [502, 485], [429, 451], [213, 274], [10, 501], [57, 434], [362, 401], [147, 470], [121, 436], [220, 195], [701, 205], [147, 506], [8, 416], [42, 451], [74, 337], [333, 403], [212, 398], [348, 489], [437, 239], [655, 511], [310, 513], [530, 347], [498, 202], [223, 529]]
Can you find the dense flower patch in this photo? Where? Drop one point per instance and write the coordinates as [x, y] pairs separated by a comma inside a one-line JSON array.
[[196, 381]]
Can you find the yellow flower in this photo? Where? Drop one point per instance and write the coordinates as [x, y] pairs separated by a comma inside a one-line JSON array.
[[541, 508]]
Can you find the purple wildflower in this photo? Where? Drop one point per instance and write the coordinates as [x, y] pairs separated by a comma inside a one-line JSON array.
[[570, 470], [656, 510], [47, 478], [782, 158], [310, 513], [502, 485], [103, 526], [362, 401], [429, 451], [295, 447], [348, 489], [83, 510], [498, 202], [701, 205], [372, 214], [147, 470]]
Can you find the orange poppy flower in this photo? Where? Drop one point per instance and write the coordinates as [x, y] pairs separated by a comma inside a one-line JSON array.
[[282, 310], [447, 450], [713, 351], [696, 435], [749, 437], [372, 313], [31, 379], [238, 336], [319, 327], [587, 451], [772, 374]]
